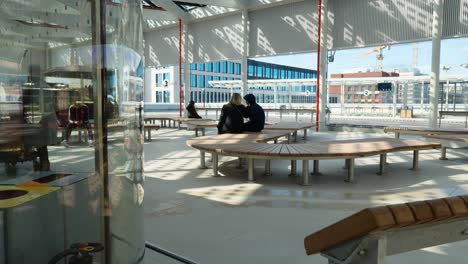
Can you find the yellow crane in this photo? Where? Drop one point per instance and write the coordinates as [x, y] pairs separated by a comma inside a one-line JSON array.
[[380, 56]]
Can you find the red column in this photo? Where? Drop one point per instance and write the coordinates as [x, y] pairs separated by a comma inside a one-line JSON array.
[[317, 97], [180, 67]]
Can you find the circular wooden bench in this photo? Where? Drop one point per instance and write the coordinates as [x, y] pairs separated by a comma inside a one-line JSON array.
[[348, 150]]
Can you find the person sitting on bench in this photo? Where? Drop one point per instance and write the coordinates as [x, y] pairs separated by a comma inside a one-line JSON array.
[[192, 111], [78, 117], [255, 113]]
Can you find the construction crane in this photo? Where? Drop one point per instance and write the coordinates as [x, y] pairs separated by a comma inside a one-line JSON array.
[[379, 56]]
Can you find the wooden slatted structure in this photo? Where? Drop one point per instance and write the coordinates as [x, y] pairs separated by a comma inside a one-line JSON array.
[[348, 150], [293, 126], [448, 141], [373, 233], [424, 131]]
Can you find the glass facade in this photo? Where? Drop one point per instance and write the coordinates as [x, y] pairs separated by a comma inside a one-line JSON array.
[[71, 93], [231, 70]]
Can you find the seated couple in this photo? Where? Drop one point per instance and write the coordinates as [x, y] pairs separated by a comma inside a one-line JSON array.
[[233, 114]]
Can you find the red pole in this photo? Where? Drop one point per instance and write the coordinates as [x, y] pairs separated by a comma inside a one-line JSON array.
[[317, 97], [180, 67]]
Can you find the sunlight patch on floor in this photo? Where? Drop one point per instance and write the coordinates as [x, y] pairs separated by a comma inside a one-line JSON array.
[[235, 194]]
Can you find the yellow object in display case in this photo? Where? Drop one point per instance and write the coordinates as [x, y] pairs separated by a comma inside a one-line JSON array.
[[31, 220], [13, 196]]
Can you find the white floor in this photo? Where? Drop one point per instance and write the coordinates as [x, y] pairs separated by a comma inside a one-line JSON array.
[[228, 220]]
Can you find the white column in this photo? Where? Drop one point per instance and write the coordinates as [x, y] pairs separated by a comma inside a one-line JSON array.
[[245, 53], [323, 66], [435, 68], [185, 57], [405, 95]]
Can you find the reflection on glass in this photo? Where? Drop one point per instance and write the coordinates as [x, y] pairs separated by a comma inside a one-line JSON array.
[[70, 129]]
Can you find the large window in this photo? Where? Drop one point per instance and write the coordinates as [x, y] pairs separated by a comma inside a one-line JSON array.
[[193, 80], [224, 66], [201, 81], [209, 67]]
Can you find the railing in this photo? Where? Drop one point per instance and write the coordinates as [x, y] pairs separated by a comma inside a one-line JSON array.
[[281, 112], [168, 253]]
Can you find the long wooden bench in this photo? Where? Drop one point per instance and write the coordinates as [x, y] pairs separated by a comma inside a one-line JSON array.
[[424, 131], [448, 141], [374, 233], [292, 126], [201, 125], [453, 113], [348, 150], [244, 138], [186, 120]]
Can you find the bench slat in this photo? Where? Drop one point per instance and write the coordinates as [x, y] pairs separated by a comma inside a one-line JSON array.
[[381, 218]]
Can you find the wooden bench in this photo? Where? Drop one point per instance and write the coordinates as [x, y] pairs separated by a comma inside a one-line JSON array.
[[423, 131], [448, 141], [148, 128], [372, 234], [453, 113], [348, 150], [186, 120], [228, 139], [291, 126], [201, 125], [165, 121]]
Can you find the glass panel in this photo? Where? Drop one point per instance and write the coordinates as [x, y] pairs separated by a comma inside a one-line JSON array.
[[70, 119]]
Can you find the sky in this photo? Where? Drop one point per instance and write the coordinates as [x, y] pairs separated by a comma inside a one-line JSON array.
[[454, 52]]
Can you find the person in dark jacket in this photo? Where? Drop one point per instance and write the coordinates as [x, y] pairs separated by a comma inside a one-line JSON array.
[[192, 112], [255, 113], [232, 116]]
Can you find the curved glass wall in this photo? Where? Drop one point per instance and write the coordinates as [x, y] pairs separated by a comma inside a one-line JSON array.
[[71, 136]]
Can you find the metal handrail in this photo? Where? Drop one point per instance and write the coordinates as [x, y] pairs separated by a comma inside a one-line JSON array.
[[168, 253]]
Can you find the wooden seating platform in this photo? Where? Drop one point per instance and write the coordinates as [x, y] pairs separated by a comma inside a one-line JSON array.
[[182, 120], [201, 124], [233, 139], [423, 131], [373, 233], [448, 141], [292, 126], [148, 128], [348, 150], [453, 113]]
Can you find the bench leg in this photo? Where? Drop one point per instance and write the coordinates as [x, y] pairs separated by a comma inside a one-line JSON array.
[[295, 136], [293, 168], [382, 163], [350, 178], [202, 160], [203, 131], [214, 158], [149, 134], [316, 171], [397, 135], [268, 168], [443, 153], [196, 132], [346, 165], [275, 141], [289, 138], [415, 160], [305, 173], [239, 164], [178, 125], [250, 165], [305, 134]]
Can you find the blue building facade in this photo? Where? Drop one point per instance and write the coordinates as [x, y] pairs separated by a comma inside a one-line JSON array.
[[165, 85]]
